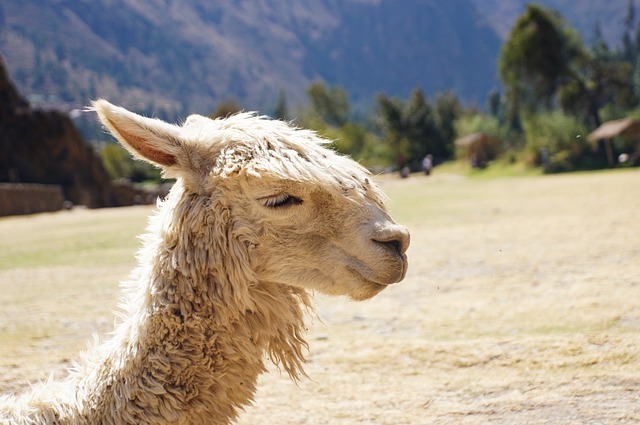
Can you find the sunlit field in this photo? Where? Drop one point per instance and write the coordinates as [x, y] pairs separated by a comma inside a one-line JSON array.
[[521, 305]]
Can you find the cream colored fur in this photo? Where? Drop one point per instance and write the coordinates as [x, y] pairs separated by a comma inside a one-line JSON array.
[[260, 214]]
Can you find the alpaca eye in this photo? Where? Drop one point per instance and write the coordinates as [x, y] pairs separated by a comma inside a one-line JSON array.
[[282, 200]]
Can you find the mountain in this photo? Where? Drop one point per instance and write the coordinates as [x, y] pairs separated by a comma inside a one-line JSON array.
[[187, 55], [173, 57]]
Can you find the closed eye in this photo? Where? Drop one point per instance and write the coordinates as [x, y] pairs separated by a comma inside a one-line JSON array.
[[282, 200]]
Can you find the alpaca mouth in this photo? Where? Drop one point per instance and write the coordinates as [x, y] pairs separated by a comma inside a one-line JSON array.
[[395, 265], [405, 266], [379, 280]]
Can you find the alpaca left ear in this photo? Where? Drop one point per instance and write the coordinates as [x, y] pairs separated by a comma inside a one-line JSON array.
[[149, 139]]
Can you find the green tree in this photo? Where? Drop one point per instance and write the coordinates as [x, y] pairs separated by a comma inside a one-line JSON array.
[[495, 104], [117, 161], [629, 47], [329, 116], [280, 111], [415, 128], [543, 64], [447, 109], [120, 165], [539, 56], [422, 130], [356, 140], [330, 103], [392, 114]]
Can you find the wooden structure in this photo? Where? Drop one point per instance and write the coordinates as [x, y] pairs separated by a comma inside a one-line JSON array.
[[479, 148], [627, 128]]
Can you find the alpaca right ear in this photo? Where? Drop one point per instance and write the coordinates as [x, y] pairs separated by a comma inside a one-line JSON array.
[[149, 139]]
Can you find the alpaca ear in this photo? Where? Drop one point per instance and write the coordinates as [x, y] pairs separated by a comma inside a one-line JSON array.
[[149, 139]]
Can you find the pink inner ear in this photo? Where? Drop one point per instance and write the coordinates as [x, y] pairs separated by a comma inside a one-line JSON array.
[[142, 146]]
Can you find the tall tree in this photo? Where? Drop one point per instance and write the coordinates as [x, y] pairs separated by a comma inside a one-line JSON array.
[[421, 129], [447, 109], [538, 58], [629, 47], [494, 102], [331, 104], [544, 64], [392, 114], [599, 46], [280, 111], [414, 128]]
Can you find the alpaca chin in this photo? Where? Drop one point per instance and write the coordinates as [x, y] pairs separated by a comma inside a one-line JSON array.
[[365, 292]]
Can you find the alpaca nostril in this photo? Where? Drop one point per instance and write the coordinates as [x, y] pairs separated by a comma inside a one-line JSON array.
[[395, 244], [398, 241]]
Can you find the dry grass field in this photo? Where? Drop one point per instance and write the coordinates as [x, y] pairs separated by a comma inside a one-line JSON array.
[[521, 306]]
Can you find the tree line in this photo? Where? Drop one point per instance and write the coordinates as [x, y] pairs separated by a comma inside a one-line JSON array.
[[556, 90]]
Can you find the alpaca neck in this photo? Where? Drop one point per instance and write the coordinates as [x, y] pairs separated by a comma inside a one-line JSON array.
[[193, 343], [173, 366]]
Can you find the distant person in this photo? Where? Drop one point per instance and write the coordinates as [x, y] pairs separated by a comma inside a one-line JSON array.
[[473, 160], [401, 165], [427, 164], [404, 172]]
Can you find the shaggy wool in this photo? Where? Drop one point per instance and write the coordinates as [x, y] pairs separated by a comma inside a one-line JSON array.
[[261, 213]]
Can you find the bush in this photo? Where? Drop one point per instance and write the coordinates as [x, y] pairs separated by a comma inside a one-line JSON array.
[[555, 141], [120, 165]]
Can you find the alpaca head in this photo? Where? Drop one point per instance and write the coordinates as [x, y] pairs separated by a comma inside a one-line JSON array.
[[295, 212]]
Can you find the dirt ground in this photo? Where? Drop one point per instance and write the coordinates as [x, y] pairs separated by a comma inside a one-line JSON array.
[[521, 306]]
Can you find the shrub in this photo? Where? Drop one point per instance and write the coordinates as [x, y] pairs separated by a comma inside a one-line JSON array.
[[555, 141], [120, 165]]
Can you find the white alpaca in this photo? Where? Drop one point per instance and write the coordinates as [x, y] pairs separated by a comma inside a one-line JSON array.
[[260, 213]]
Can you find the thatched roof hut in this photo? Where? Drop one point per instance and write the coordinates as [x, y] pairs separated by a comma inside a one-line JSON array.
[[479, 148], [627, 128], [470, 140]]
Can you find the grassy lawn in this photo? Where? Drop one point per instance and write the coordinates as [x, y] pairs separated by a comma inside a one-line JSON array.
[[497, 169], [70, 238], [521, 305], [59, 278]]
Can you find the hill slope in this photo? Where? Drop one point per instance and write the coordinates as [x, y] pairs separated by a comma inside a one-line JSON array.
[[179, 56], [186, 55]]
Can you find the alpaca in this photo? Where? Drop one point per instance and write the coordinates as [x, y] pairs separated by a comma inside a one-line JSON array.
[[260, 216]]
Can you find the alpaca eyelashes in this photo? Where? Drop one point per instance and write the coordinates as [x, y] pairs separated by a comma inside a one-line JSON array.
[[278, 201]]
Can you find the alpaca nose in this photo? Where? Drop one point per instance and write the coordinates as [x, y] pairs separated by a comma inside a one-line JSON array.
[[395, 237]]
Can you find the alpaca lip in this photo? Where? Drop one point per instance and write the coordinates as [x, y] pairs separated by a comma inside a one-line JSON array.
[[368, 280], [405, 267], [361, 277]]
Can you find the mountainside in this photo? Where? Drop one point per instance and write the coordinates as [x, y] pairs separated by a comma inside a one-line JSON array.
[[171, 57], [182, 56]]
